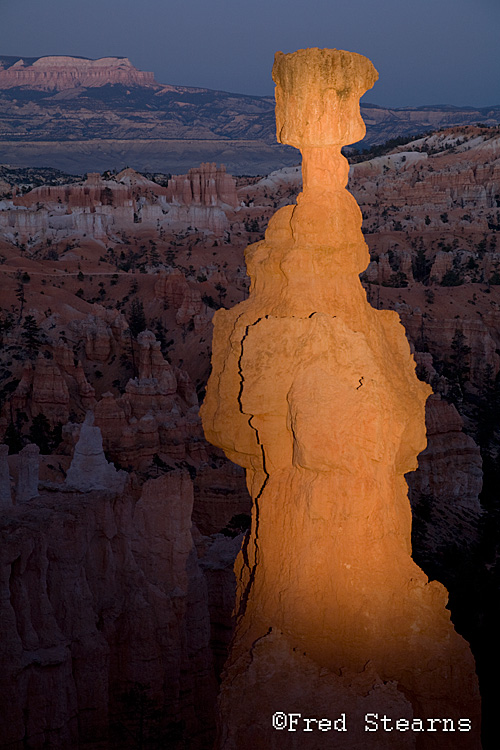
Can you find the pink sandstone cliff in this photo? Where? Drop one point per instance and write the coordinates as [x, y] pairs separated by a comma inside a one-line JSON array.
[[314, 393], [207, 185], [59, 72]]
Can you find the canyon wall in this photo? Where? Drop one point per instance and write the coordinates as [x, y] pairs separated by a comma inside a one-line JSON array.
[[202, 200]]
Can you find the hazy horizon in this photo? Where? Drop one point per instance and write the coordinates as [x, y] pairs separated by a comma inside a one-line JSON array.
[[427, 54]]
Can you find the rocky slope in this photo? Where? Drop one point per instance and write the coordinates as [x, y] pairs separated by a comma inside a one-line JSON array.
[[92, 115]]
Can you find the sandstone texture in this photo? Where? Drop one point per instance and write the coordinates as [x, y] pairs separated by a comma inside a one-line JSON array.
[[206, 185], [314, 393], [430, 211], [104, 595], [431, 217]]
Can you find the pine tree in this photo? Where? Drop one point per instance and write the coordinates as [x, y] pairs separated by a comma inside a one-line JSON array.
[[137, 319], [40, 433], [222, 292], [460, 358], [31, 332], [21, 298], [421, 266], [13, 438], [6, 324]]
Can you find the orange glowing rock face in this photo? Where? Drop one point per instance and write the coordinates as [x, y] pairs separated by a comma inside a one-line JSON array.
[[314, 392]]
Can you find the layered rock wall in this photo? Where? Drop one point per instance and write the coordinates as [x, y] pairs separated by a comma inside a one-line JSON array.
[[202, 200], [206, 185], [56, 73]]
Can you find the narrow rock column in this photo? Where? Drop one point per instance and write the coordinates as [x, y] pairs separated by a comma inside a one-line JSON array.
[[5, 492], [28, 468], [314, 392], [89, 470]]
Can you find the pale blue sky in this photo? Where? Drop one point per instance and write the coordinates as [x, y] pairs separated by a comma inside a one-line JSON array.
[[426, 51]]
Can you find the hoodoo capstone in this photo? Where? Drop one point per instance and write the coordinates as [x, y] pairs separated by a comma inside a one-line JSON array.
[[315, 394]]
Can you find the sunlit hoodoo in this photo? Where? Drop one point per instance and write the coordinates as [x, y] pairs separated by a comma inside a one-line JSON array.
[[314, 392]]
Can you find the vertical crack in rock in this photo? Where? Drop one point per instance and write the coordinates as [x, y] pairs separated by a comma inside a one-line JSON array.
[[251, 566], [220, 375], [315, 394]]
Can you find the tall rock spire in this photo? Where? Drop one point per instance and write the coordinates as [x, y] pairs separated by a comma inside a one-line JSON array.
[[315, 393]]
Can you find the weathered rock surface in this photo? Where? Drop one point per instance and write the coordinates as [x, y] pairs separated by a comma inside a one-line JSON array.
[[278, 673], [101, 595], [220, 494], [52, 386], [157, 413], [101, 334], [314, 393], [199, 198], [445, 489], [217, 562], [174, 290], [207, 185]]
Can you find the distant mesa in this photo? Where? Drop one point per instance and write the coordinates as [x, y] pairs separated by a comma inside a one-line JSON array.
[[60, 72]]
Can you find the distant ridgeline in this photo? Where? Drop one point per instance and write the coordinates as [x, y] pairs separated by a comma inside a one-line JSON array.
[[133, 120], [60, 72]]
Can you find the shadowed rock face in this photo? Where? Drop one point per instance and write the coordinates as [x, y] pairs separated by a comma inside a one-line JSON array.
[[5, 491], [100, 595], [314, 393]]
